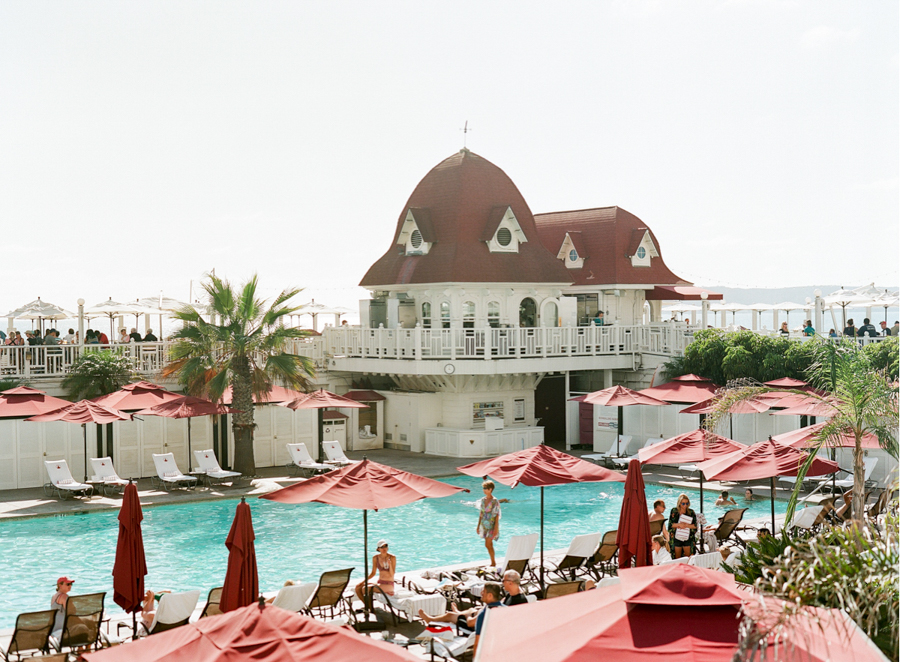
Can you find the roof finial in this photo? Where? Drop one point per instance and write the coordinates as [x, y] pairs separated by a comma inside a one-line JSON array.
[[465, 131]]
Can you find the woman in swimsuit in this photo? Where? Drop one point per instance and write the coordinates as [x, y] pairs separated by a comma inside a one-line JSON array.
[[386, 565], [489, 518]]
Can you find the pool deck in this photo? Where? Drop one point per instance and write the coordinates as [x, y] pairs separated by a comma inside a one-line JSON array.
[[33, 503]]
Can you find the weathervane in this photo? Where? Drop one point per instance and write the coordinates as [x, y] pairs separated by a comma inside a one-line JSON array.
[[465, 131]]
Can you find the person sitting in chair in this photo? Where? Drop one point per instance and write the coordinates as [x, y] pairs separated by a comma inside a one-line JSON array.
[[512, 585], [660, 553], [385, 565]]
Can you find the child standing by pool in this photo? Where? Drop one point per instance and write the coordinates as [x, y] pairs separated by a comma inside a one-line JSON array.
[[489, 518]]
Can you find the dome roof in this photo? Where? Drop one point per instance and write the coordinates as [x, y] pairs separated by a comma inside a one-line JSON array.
[[458, 207]]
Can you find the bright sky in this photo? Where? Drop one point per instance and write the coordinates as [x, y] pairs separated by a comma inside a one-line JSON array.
[[145, 143]]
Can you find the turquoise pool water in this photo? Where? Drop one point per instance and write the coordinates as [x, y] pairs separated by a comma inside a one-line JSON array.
[[185, 544]]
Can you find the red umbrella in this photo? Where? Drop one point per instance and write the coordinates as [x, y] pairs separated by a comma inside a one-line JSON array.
[[675, 613], [366, 486], [274, 395], [320, 400], [687, 389], [618, 396], [261, 633], [749, 406], [25, 401], [807, 407], [540, 465], [803, 438], [140, 395], [241, 586], [130, 567], [633, 536], [83, 412], [766, 459], [695, 446], [186, 406]]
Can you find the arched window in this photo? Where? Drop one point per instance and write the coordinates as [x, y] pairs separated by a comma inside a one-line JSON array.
[[469, 315], [445, 314], [494, 314], [527, 313], [426, 315], [550, 315]]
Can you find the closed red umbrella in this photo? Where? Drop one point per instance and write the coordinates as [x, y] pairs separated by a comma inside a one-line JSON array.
[[261, 633], [675, 612], [365, 486], [687, 389], [23, 401], [139, 395], [540, 466], [83, 412], [130, 566], [320, 400], [633, 537], [619, 396], [241, 586]]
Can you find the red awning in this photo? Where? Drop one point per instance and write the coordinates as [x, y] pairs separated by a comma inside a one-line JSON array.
[[680, 293], [364, 396]]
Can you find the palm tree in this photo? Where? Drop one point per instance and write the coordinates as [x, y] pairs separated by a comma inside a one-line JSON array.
[[98, 372], [244, 349], [864, 402]]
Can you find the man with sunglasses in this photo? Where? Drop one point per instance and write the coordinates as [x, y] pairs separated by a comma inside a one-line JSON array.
[[58, 603]]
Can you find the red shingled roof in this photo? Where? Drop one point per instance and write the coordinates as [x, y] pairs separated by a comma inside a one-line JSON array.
[[462, 194], [608, 235]]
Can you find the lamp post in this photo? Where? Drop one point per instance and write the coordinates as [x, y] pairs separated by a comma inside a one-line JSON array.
[[81, 321], [818, 312], [704, 309]]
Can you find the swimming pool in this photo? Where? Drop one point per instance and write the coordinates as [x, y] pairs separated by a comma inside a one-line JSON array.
[[185, 543]]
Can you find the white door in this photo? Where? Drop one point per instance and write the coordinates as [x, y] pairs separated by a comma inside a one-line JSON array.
[[9, 466], [127, 449], [151, 438], [30, 452], [175, 441]]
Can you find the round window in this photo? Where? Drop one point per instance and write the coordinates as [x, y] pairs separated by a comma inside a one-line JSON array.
[[504, 236], [641, 253], [415, 239], [573, 255]]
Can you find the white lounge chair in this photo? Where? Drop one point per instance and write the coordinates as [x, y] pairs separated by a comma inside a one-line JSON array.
[[846, 483], [608, 581], [624, 440], [103, 470], [61, 481], [168, 473], [173, 610], [806, 517], [623, 461], [710, 560], [294, 598], [580, 549], [207, 462], [682, 559], [519, 552], [302, 460], [335, 454]]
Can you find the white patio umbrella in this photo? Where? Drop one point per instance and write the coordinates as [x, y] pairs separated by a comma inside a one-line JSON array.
[[788, 306], [888, 300], [844, 298], [40, 310], [162, 305], [112, 309], [315, 309]]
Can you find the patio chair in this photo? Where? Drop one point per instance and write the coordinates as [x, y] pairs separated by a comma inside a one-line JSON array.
[[105, 471], [562, 588], [301, 460], [207, 463], [727, 528], [168, 473], [601, 562], [847, 483], [32, 633], [624, 461], [329, 594], [806, 518], [81, 627], [519, 552], [880, 504], [656, 527], [335, 454], [61, 481], [211, 608], [710, 560], [610, 452], [173, 610], [580, 550], [295, 597], [687, 471], [682, 559]]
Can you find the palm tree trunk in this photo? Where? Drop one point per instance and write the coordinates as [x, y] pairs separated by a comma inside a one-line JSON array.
[[242, 422], [859, 483]]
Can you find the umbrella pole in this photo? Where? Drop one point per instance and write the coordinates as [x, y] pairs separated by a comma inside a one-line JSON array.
[[321, 434], [620, 423], [772, 484], [84, 429], [190, 456], [542, 534], [365, 563], [702, 541]]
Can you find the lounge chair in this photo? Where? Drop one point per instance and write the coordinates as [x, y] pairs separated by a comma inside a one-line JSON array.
[[608, 581], [562, 588], [173, 610], [656, 527], [580, 550], [168, 473], [519, 552], [846, 483], [212, 603], [61, 481], [623, 461], [105, 471], [294, 598], [32, 633], [302, 461], [329, 594], [710, 560], [601, 562], [81, 627], [681, 559], [335, 454], [687, 471], [880, 505], [726, 530], [207, 462], [806, 518], [609, 453]]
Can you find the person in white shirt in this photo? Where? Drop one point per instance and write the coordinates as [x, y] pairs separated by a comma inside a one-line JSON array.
[[660, 553]]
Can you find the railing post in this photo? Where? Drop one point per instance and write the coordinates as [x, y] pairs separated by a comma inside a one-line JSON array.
[[488, 342], [453, 336]]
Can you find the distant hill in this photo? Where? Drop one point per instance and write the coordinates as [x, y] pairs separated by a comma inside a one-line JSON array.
[[779, 294]]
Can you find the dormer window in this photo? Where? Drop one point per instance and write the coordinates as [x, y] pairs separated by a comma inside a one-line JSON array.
[[573, 255], [503, 234], [642, 248], [415, 239], [572, 252], [641, 253], [416, 235], [504, 237]]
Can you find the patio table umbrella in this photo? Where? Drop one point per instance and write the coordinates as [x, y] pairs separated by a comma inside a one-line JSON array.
[[540, 466], [695, 446], [618, 396], [633, 538], [258, 632], [687, 389], [756, 405], [241, 586], [130, 566], [274, 395], [803, 438], [40, 311], [808, 407], [83, 412], [23, 401], [766, 459], [186, 406], [113, 309], [674, 612], [366, 486], [138, 395], [320, 400]]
